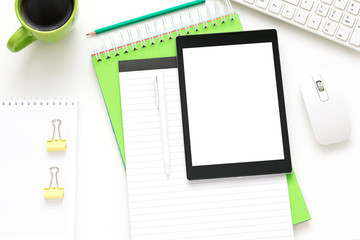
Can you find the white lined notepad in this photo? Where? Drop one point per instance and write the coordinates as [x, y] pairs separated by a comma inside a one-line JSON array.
[[25, 127], [175, 208]]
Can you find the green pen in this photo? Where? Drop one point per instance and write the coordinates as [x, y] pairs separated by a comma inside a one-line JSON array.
[[145, 17]]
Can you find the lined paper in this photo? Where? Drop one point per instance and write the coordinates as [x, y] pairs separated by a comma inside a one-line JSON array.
[[175, 208]]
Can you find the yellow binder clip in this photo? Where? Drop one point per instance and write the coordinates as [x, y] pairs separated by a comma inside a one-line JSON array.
[[54, 192], [56, 144]]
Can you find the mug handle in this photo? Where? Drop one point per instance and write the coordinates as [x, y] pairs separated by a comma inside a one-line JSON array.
[[20, 39]]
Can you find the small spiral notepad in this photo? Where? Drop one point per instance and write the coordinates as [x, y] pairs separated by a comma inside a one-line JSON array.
[[26, 126]]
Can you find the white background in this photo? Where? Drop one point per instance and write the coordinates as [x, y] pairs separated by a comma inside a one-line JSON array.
[[328, 176], [233, 107]]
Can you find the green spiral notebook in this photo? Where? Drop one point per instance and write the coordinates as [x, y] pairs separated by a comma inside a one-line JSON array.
[[115, 47]]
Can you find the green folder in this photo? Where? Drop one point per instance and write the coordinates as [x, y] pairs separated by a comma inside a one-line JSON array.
[[106, 67]]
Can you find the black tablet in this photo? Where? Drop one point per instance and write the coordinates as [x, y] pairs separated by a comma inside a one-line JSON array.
[[232, 103]]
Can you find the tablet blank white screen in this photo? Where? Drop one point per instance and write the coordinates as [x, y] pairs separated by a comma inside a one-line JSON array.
[[232, 104]]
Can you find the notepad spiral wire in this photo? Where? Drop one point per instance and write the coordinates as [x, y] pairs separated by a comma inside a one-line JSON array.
[[160, 29], [37, 101]]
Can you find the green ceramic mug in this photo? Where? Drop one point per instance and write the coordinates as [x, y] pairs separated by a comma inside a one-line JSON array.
[[27, 34]]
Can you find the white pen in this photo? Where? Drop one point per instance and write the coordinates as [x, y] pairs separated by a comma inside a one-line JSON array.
[[161, 104]]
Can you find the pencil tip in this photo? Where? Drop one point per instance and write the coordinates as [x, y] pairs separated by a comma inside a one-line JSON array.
[[93, 33]]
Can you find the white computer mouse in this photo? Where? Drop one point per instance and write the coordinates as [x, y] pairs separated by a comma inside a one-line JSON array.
[[327, 109]]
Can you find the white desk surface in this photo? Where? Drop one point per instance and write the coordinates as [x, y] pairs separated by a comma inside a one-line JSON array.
[[328, 176]]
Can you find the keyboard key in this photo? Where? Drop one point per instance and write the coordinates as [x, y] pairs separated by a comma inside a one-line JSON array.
[[348, 20], [327, 1], [355, 37], [307, 4], [301, 16], [335, 15], [353, 8], [322, 10], [293, 2], [275, 7], [330, 28], [343, 33], [250, 1], [288, 11], [314, 22], [262, 3], [340, 4]]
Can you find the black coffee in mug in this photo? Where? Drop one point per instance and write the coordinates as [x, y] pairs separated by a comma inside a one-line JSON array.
[[46, 15]]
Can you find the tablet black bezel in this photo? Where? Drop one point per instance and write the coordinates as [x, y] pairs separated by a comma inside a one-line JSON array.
[[232, 169]]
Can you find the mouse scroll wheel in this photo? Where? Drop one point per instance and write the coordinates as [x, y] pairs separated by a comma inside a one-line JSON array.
[[320, 85]]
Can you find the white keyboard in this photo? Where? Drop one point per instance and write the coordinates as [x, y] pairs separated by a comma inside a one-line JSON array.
[[337, 20]]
